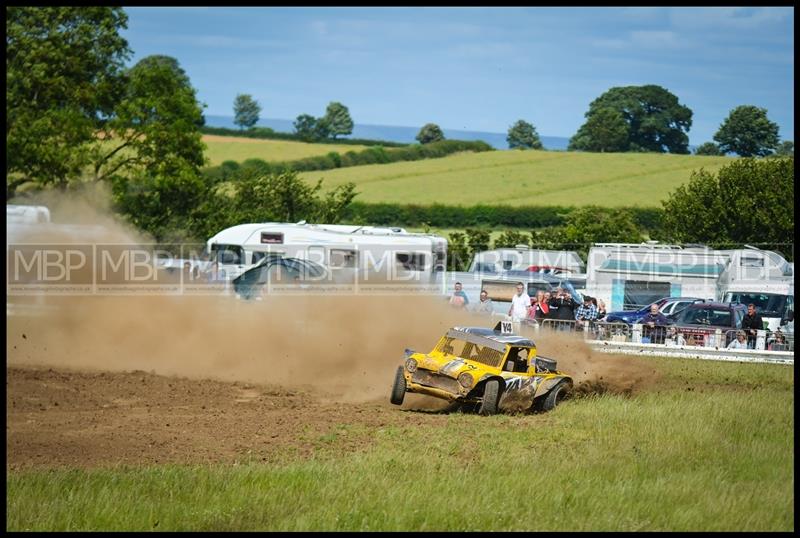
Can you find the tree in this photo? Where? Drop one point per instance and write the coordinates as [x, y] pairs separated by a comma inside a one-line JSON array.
[[282, 197], [605, 130], [151, 149], [592, 224], [748, 201], [656, 120], [708, 148], [510, 239], [154, 130], [785, 149], [523, 135], [338, 120], [430, 132], [245, 110], [310, 128], [747, 132], [305, 127], [64, 77]]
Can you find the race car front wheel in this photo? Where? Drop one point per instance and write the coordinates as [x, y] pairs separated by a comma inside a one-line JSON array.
[[491, 397], [399, 387], [554, 397]]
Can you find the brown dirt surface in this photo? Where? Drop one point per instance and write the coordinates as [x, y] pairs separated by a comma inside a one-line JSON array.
[[62, 418], [107, 381]]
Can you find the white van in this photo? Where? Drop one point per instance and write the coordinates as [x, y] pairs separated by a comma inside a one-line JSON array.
[[367, 251]]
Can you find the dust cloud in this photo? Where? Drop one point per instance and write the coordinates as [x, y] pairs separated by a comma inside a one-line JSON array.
[[345, 347]]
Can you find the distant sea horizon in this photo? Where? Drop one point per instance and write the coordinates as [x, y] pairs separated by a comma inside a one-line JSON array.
[[395, 133]]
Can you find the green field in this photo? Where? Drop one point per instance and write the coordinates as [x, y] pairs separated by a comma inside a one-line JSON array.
[[524, 178], [711, 448], [231, 148]]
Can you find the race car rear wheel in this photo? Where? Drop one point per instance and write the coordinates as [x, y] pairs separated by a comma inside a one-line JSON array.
[[491, 397], [554, 397], [399, 387]]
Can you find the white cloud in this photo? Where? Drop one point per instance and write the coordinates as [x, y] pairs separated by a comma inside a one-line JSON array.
[[728, 17]]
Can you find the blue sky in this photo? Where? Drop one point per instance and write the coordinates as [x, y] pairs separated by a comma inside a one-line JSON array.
[[478, 69]]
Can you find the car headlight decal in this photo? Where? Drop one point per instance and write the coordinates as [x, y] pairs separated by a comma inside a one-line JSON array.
[[411, 365], [465, 380]]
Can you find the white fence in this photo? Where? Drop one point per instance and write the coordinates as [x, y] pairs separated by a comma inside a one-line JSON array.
[[676, 341]]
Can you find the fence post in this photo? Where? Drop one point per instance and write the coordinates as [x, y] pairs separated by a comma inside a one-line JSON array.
[[761, 338], [636, 333], [718, 342], [586, 330]]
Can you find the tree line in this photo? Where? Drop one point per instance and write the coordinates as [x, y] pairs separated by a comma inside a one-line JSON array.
[[75, 114], [645, 118]]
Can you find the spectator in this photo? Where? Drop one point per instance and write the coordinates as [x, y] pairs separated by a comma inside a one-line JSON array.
[[520, 303], [586, 312], [485, 305], [778, 341], [674, 337], [653, 324], [601, 308], [740, 342], [752, 323], [541, 310], [187, 271], [459, 298], [532, 309], [563, 308]]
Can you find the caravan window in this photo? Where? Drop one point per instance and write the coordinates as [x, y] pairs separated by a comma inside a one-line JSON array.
[[639, 293], [342, 258], [751, 262], [411, 261], [258, 256], [228, 254]]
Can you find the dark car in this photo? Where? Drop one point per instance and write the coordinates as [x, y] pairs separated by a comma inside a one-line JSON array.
[[666, 305], [276, 270], [699, 321]]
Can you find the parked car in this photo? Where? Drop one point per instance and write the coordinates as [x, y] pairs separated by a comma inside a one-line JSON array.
[[666, 305], [700, 321], [275, 269], [485, 369]]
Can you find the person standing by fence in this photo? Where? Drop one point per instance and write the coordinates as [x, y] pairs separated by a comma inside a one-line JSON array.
[[585, 313], [653, 326], [564, 308], [520, 303], [752, 323]]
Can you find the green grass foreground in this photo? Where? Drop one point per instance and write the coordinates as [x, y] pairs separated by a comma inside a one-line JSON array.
[[524, 178], [709, 449]]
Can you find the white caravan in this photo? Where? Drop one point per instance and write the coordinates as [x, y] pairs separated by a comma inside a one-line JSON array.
[[366, 251], [27, 214], [627, 275], [524, 258]]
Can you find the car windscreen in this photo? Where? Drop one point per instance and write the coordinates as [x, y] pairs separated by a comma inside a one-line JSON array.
[[767, 304], [470, 350], [706, 316]]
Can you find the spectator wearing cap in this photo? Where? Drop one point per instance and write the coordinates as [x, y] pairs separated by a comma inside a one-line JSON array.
[[586, 312], [562, 308]]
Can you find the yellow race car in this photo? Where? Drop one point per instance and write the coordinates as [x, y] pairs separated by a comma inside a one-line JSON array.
[[488, 370]]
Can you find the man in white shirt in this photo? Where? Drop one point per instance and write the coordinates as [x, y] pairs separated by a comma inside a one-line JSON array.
[[520, 303]]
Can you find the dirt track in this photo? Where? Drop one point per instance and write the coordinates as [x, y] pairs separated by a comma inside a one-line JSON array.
[[58, 417], [108, 381]]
